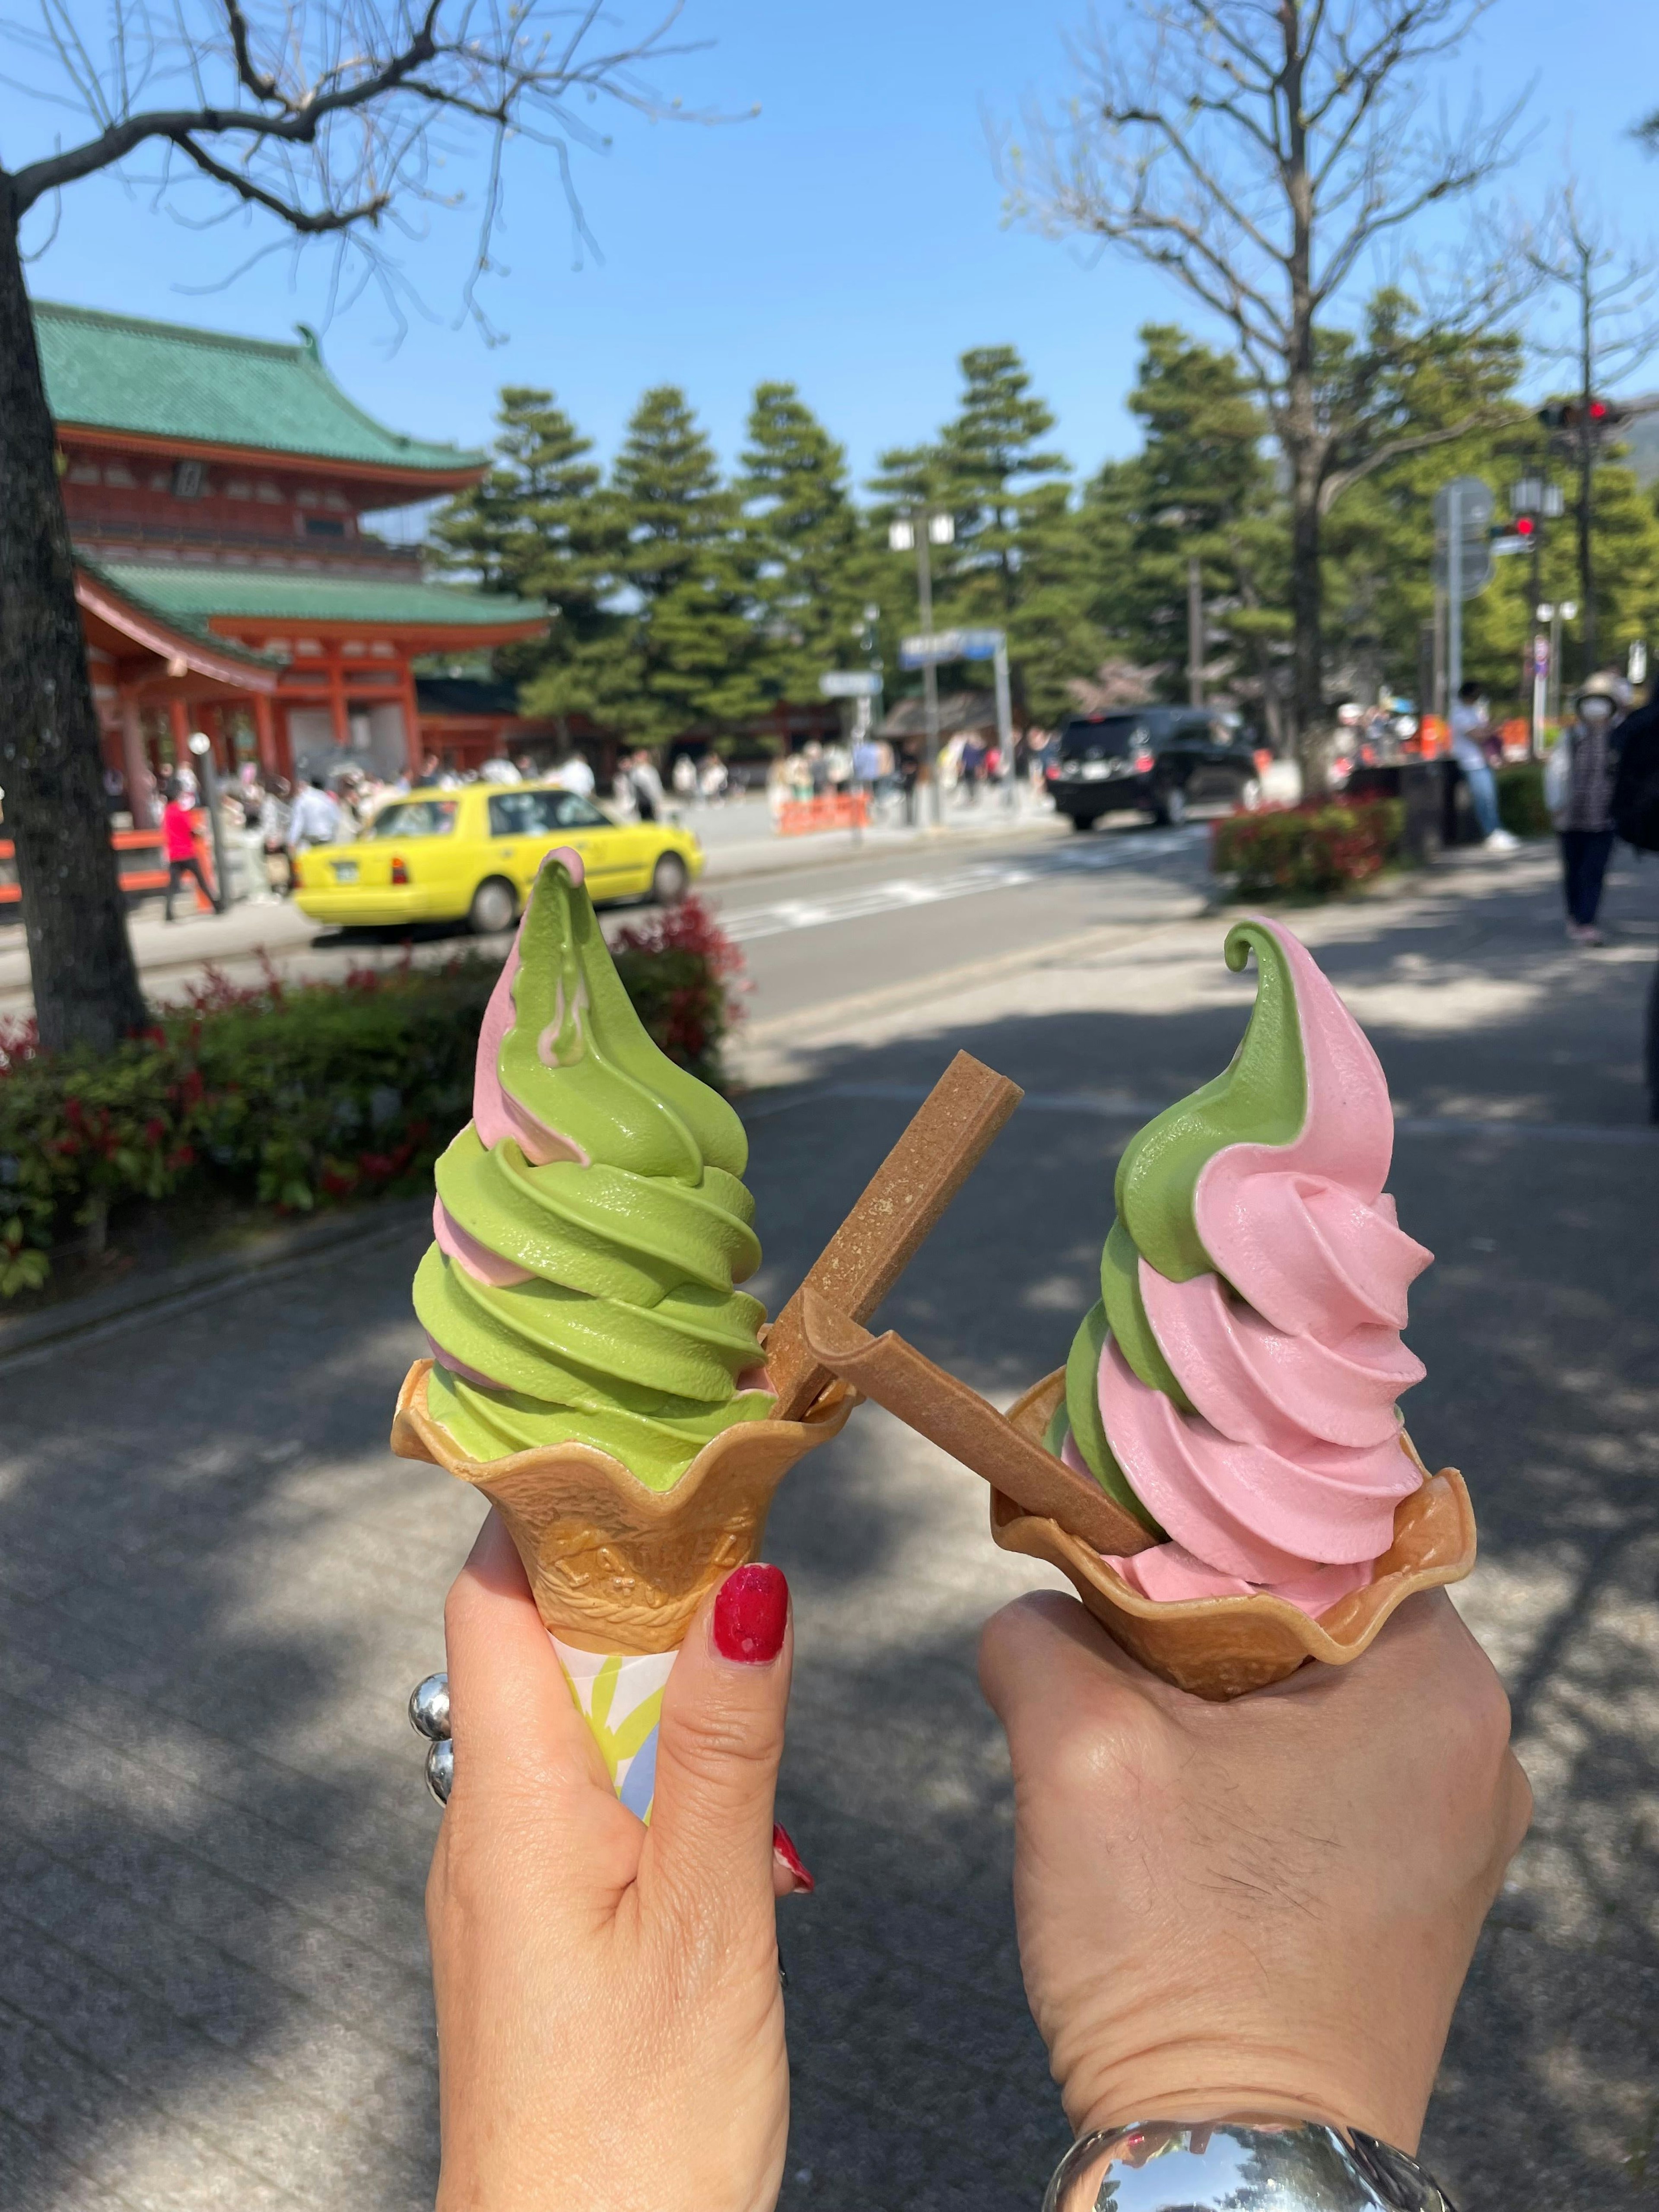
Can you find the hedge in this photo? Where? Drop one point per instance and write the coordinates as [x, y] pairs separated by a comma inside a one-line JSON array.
[[1309, 851], [1521, 807], [293, 1098]]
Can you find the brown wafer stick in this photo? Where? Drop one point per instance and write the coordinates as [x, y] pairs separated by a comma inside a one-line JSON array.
[[959, 1421], [905, 1197]]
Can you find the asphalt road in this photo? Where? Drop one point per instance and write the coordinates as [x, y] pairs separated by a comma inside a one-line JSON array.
[[839, 931], [811, 927]]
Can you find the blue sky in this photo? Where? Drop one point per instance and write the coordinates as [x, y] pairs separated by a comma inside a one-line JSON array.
[[849, 239]]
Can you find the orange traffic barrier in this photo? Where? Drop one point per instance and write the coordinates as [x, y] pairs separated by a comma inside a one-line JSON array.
[[141, 860], [838, 810]]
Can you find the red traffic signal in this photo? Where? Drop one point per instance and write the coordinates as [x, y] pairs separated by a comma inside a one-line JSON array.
[[1573, 415], [1524, 526]]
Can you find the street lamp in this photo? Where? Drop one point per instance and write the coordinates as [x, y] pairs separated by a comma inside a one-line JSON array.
[[915, 533], [1534, 501], [202, 745]]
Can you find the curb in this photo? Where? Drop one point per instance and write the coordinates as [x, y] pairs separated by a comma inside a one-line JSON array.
[[38, 1336]]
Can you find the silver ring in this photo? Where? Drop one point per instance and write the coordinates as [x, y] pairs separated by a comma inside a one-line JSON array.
[[429, 1715]]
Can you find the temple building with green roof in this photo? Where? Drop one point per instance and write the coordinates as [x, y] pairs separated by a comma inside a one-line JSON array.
[[218, 489]]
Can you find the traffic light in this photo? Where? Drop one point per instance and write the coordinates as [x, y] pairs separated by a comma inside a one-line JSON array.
[[1601, 415], [1525, 525]]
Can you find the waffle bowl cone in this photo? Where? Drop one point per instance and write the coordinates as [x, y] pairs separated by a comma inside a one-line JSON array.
[[615, 1567], [1220, 1647]]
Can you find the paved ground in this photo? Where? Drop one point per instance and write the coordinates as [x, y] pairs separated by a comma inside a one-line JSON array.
[[215, 1587]]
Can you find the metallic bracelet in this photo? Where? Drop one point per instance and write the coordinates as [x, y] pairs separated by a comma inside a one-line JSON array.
[[1172, 2166]]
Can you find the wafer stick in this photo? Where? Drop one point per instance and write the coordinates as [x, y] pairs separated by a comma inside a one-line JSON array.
[[909, 1192], [959, 1421]]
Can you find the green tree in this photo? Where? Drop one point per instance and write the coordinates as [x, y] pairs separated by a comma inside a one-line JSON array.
[[803, 542], [1206, 492], [1017, 561], [539, 525], [691, 657], [1402, 384]]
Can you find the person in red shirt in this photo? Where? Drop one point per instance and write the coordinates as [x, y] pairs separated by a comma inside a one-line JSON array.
[[178, 835]]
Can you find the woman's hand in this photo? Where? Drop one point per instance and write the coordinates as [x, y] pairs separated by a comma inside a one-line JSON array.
[[610, 2024], [1266, 1907]]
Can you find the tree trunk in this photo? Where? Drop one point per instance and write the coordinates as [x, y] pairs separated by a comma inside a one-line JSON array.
[[86, 987], [1585, 504], [1307, 640], [1299, 435]]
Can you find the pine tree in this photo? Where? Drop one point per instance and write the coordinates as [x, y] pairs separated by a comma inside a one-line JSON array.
[[539, 526], [803, 542], [1204, 489], [1016, 563], [691, 647]]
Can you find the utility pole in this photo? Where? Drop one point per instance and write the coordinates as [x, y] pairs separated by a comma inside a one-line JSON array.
[[1194, 631], [1587, 428], [922, 526], [1454, 595]]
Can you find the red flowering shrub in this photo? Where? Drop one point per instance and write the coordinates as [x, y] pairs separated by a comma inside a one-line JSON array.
[[1309, 851], [292, 1096]]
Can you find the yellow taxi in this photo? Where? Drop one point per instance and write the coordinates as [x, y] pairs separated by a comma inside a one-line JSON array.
[[471, 855]]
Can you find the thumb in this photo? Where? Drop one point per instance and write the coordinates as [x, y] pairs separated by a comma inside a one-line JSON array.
[[719, 1746]]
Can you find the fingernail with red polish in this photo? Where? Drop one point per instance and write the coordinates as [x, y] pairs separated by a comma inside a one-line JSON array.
[[750, 1614], [783, 1848]]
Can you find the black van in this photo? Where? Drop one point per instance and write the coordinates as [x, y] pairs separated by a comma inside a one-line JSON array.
[[1160, 760]]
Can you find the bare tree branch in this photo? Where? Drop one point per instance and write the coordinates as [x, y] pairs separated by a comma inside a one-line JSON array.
[[1339, 481], [320, 114], [1256, 151]]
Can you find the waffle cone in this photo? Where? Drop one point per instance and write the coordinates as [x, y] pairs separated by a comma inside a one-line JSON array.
[[1220, 1647], [615, 1566]]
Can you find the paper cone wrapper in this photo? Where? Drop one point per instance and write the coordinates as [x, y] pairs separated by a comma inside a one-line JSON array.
[[1220, 1647], [615, 1567], [619, 1695]]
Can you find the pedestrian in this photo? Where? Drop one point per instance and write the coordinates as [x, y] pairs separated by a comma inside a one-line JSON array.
[[685, 778], [179, 839], [1578, 784], [649, 797], [273, 835], [314, 818], [1471, 720], [970, 766], [1636, 819], [713, 781], [910, 775]]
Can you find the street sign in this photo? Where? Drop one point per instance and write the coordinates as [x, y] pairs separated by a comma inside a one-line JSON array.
[[850, 683], [1512, 544], [933, 647], [1472, 502], [928, 647]]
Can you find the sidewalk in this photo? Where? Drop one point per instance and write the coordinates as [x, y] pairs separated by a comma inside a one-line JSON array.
[[216, 1588]]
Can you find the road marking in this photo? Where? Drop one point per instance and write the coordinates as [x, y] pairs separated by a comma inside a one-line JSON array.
[[1118, 1106], [751, 925]]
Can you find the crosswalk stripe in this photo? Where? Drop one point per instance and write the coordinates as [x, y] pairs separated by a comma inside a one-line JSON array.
[[750, 925]]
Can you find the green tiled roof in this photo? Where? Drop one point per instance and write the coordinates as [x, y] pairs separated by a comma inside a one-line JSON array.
[[186, 625], [195, 595], [203, 387]]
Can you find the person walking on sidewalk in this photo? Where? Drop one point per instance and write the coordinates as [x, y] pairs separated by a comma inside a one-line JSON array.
[[179, 839], [314, 819], [1470, 722], [1579, 781], [1636, 819]]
